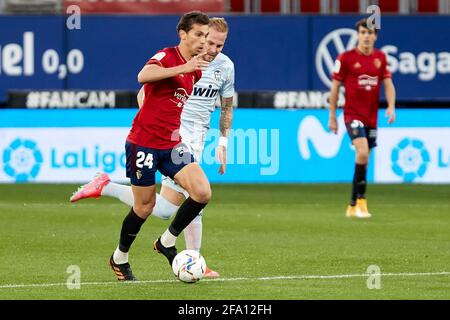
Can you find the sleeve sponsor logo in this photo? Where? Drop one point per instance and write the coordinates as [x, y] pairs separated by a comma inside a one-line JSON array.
[[159, 56]]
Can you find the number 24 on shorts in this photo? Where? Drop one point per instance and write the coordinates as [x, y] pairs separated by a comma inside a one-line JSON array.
[[144, 160]]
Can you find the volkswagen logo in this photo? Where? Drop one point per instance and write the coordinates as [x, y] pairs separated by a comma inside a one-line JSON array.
[[332, 45]]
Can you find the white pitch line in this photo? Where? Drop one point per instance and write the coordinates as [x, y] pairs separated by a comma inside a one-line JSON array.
[[303, 277]]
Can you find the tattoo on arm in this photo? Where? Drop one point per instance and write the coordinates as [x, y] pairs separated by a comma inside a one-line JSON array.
[[226, 116]]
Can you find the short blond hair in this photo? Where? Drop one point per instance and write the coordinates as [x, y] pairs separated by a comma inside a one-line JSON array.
[[219, 24]]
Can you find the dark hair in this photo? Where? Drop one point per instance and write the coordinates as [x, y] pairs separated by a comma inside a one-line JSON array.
[[189, 19], [363, 23]]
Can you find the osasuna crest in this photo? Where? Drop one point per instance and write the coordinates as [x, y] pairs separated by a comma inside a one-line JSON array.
[[217, 75], [138, 174], [356, 125]]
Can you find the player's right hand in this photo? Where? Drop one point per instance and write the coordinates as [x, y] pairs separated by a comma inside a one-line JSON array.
[[221, 154], [332, 125], [390, 113], [196, 63]]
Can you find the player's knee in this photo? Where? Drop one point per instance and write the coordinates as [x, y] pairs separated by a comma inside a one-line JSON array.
[[144, 208], [363, 156], [201, 194]]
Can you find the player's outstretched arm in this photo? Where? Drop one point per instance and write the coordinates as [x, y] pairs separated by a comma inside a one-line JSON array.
[[152, 72], [334, 96], [226, 117], [389, 91]]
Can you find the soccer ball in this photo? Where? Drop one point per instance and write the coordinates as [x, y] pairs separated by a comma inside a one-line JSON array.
[[189, 266]]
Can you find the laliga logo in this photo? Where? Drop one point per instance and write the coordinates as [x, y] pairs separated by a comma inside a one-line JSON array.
[[410, 159], [22, 160], [333, 42]]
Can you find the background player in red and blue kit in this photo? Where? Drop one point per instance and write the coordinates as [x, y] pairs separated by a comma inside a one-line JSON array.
[[154, 142], [361, 70]]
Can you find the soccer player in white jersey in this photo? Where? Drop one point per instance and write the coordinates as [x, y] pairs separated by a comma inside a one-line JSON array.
[[217, 79]]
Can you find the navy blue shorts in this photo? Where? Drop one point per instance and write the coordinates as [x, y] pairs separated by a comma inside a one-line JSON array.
[[143, 162], [356, 129]]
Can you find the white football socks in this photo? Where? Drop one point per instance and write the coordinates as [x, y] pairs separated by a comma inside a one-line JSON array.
[[168, 239], [193, 233], [164, 209], [119, 191], [120, 257]]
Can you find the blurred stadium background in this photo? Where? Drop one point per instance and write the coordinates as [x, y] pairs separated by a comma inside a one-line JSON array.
[[67, 100]]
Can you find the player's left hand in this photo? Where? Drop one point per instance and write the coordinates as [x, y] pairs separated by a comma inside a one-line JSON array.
[[221, 153], [390, 112]]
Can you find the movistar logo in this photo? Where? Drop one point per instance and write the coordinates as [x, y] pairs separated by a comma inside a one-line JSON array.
[[311, 134], [410, 159], [206, 92], [22, 160]]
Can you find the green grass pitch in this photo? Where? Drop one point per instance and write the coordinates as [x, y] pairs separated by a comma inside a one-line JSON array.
[[267, 241]]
